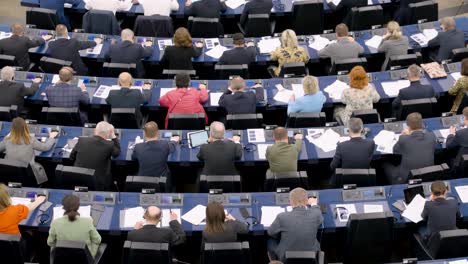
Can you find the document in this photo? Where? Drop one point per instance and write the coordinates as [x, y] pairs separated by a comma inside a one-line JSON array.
[[444, 133], [163, 43], [430, 33], [165, 91], [373, 208], [214, 98], [414, 209], [96, 50], [370, 2], [166, 216], [20, 200], [298, 90], [216, 52], [195, 216], [421, 39], [233, 4], [319, 43], [280, 87], [4, 35], [55, 78], [70, 145], [462, 192], [268, 45], [343, 211], [131, 216], [256, 135], [374, 42], [461, 261], [313, 133], [85, 211], [393, 88], [385, 140], [211, 42], [283, 95], [261, 148], [327, 141], [335, 90], [103, 91], [455, 75], [335, 2], [269, 214]]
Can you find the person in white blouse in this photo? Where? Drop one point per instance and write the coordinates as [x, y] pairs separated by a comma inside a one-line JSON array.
[[108, 5], [160, 7]]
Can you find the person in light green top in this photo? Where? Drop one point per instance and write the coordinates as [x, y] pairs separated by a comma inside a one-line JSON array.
[[73, 227]]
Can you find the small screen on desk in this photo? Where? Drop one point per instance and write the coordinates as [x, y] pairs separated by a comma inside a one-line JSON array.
[[368, 194], [141, 40], [43, 33], [30, 76], [99, 198], [198, 138], [138, 83], [45, 130], [166, 199], [31, 194], [233, 199]]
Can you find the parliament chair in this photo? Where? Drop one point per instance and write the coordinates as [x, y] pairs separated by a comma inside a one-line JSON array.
[[137, 183], [258, 25], [11, 250], [341, 67], [443, 245], [369, 238], [368, 116], [365, 17], [228, 183], [51, 65], [290, 179], [202, 27], [8, 113], [427, 11], [244, 121], [7, 60], [431, 173], [101, 22], [308, 17], [68, 177], [115, 69], [124, 118], [146, 253], [63, 116], [403, 61], [463, 166], [154, 26], [304, 257], [186, 121], [301, 120], [292, 70], [42, 18], [427, 107], [75, 252], [463, 104], [226, 253], [17, 171], [170, 74], [360, 177], [226, 71], [459, 54]]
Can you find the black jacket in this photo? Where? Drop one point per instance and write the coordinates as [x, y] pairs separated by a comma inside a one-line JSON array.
[[152, 157], [238, 56], [343, 9], [18, 46], [416, 90], [128, 52], [13, 93], [459, 143], [231, 230], [241, 102], [174, 235], [440, 214], [95, 153], [178, 58], [129, 98], [68, 50], [255, 7], [206, 8], [355, 153], [219, 157], [447, 41]]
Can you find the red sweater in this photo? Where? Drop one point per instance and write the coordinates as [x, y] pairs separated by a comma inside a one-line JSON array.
[[184, 101]]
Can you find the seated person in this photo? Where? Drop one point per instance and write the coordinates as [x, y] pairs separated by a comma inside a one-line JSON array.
[[73, 227], [240, 54], [460, 87], [458, 141], [393, 43], [289, 52], [13, 93], [282, 156], [221, 227], [311, 102], [236, 101], [149, 232], [179, 56], [205, 8], [416, 148], [448, 40]]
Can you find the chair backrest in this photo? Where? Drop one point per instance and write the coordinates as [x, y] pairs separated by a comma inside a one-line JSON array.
[[449, 244], [42, 18], [124, 118], [295, 69], [186, 121], [101, 22], [153, 26], [7, 60], [115, 69], [146, 253], [10, 249], [244, 121], [169, 74], [427, 107], [401, 61], [226, 253], [226, 71], [346, 65], [51, 65], [368, 116], [8, 113], [360, 177], [307, 17], [63, 116], [258, 25], [137, 183], [463, 104], [16, 171], [365, 17], [67, 177], [427, 10], [291, 179], [459, 54], [430, 173], [300, 120], [304, 257], [201, 27], [228, 183], [71, 252]]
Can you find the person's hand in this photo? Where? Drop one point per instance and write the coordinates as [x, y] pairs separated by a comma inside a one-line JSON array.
[[147, 44], [46, 37], [202, 86], [146, 86], [298, 136], [83, 87], [98, 40], [351, 39], [250, 44], [113, 41], [53, 134], [257, 85], [387, 35], [37, 80], [188, 3], [292, 98], [229, 217], [236, 139], [138, 225], [39, 199], [405, 132], [199, 44], [312, 201], [230, 89], [174, 216], [175, 138], [453, 130]]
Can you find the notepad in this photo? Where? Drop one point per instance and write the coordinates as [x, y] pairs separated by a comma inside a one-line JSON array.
[[269, 214], [85, 211], [20, 200], [319, 43], [261, 148], [462, 192], [374, 42], [195, 216], [283, 96], [214, 98]]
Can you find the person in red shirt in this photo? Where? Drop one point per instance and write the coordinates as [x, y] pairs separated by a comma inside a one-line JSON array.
[[12, 215], [185, 100]]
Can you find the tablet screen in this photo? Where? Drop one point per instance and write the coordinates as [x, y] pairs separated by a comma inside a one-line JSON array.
[[411, 192], [198, 138]]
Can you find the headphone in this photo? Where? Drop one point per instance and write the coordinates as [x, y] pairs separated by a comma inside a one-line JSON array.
[[43, 218], [250, 147]]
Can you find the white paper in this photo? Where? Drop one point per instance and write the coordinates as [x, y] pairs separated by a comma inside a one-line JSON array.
[[374, 42], [268, 45], [269, 214], [233, 4], [20, 200], [132, 216], [68, 148], [165, 91], [462, 192], [103, 91], [166, 216], [283, 95], [280, 87], [393, 88], [319, 43], [414, 209], [139, 140], [214, 98], [4, 35], [196, 215], [96, 50], [67, 5], [456, 75], [421, 39], [369, 2], [335, 2], [298, 90], [430, 33], [256, 135], [55, 79], [444, 133], [162, 43], [373, 208], [385, 140], [85, 211], [327, 141], [461, 261], [335, 90], [261, 148], [211, 42], [216, 52], [343, 139], [350, 208]]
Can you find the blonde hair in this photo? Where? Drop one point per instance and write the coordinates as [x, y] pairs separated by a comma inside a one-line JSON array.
[[394, 30], [448, 23], [310, 85], [289, 39], [5, 200]]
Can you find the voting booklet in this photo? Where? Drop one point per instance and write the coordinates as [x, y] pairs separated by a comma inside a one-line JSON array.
[[269, 214], [103, 91]]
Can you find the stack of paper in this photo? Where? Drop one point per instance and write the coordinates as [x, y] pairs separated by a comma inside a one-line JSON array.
[[216, 52], [261, 148], [70, 145], [421, 39], [19, 200], [85, 211], [164, 91], [96, 50], [374, 42], [269, 214], [335, 90], [373, 208], [211, 42], [430, 33], [268, 45], [455, 75], [298, 90], [166, 216], [319, 43], [462, 193], [195, 216], [103, 91], [385, 140], [233, 4], [163, 43], [327, 141], [4, 35], [414, 209], [256, 135], [393, 88], [283, 95], [131, 216], [214, 98], [347, 210]]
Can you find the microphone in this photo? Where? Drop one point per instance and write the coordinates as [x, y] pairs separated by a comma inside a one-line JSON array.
[[174, 260], [119, 201]]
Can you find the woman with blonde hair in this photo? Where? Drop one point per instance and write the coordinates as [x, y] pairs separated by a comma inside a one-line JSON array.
[[360, 95], [289, 52], [393, 43], [179, 56], [311, 102]]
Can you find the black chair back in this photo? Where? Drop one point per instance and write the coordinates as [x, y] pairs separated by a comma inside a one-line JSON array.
[[115, 69], [463, 104], [154, 26], [341, 67], [68, 177], [258, 25], [51, 65], [124, 118], [8, 113], [307, 17], [137, 183], [62, 116], [146, 253], [10, 249], [16, 171], [244, 121], [201, 27], [300, 120], [291, 180], [459, 54], [427, 11], [228, 183], [71, 252], [101, 22], [360, 177], [431, 173], [169, 74], [449, 244], [186, 121], [42, 18], [295, 69], [226, 253], [304, 257], [401, 61], [226, 71], [365, 17], [368, 116], [427, 107], [7, 60]]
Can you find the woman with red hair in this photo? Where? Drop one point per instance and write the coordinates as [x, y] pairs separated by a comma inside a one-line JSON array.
[[360, 95]]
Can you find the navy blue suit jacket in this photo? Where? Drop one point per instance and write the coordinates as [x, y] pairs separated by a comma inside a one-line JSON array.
[[237, 56], [68, 50], [128, 52], [241, 102], [355, 153], [152, 157], [416, 90]]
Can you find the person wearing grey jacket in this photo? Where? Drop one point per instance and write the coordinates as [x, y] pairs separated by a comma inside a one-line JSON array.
[[344, 48], [295, 230], [393, 43]]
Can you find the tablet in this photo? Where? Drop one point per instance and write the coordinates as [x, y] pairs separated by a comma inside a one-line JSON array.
[[411, 192], [197, 138]]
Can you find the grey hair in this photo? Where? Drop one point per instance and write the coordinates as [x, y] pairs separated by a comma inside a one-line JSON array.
[[127, 34], [355, 125], [217, 130], [298, 197], [414, 71], [103, 129], [8, 73]]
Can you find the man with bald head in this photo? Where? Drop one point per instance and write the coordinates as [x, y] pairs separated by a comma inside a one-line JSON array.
[[129, 52], [18, 45], [126, 97], [237, 101], [149, 230]]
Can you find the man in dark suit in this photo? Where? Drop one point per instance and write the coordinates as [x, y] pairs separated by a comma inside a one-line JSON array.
[[95, 153], [416, 148], [416, 90], [287, 235], [255, 7], [128, 52], [236, 101], [239, 54], [18, 45], [58, 5], [219, 155], [447, 40], [126, 97], [64, 48], [458, 141], [205, 8], [149, 232], [13, 93], [343, 9]]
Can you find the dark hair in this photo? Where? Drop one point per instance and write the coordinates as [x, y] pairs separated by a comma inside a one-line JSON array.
[[414, 121], [438, 188], [71, 204], [215, 218], [464, 67], [238, 39], [182, 80]]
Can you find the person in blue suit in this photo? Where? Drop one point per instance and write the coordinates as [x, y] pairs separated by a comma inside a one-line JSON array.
[[58, 5]]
